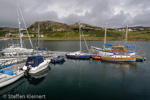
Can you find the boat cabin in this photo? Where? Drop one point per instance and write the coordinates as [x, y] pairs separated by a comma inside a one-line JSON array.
[[119, 49], [34, 61]]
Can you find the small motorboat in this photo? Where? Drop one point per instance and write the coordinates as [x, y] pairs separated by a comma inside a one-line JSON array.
[[35, 64], [96, 57], [8, 76], [59, 59], [140, 59]]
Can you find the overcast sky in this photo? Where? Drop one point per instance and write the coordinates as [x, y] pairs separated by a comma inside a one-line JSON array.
[[117, 13]]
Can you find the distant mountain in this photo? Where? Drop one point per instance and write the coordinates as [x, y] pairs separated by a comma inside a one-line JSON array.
[[8, 29], [57, 26], [49, 25], [5, 30], [85, 26]]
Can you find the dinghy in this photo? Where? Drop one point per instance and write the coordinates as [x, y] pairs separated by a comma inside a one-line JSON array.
[[96, 57], [59, 59]]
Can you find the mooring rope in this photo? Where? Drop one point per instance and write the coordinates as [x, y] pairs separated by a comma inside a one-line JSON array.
[[137, 44]]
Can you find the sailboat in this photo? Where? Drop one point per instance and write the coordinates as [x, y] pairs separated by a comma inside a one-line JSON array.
[[36, 63], [110, 49], [79, 54], [18, 48], [8, 76], [119, 58], [122, 56]]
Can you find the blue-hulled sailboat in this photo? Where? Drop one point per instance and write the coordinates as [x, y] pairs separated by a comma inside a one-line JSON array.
[[79, 54]]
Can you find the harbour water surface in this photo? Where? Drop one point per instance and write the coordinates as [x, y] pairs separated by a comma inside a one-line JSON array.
[[84, 79]]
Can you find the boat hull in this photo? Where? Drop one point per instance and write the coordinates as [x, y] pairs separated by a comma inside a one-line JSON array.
[[41, 67], [119, 59], [11, 79], [78, 56]]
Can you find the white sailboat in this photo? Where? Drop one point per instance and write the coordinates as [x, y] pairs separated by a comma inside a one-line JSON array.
[[8, 76], [79, 54], [18, 48]]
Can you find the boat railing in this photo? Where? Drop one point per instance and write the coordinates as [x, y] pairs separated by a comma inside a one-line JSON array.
[[4, 62], [121, 56]]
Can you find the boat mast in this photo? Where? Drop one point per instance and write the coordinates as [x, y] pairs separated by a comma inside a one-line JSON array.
[[80, 35], [126, 35], [19, 10], [19, 25], [36, 40], [38, 33], [105, 35]]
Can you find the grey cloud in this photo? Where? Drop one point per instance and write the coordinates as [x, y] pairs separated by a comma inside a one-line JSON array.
[[97, 12], [120, 20], [142, 19]]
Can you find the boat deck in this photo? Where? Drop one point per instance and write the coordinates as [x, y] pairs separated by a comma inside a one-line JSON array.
[[20, 63]]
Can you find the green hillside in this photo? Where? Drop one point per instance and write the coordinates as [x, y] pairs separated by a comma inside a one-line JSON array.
[[61, 31]]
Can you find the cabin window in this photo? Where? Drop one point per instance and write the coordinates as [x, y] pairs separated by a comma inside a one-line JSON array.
[[31, 61]]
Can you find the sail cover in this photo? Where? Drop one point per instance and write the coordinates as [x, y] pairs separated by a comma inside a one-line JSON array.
[[110, 45], [7, 71]]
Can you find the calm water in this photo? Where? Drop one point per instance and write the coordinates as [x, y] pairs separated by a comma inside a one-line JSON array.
[[85, 79]]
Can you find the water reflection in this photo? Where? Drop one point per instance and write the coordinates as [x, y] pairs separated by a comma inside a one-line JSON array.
[[120, 64], [122, 70], [60, 63], [37, 78], [81, 60], [12, 87]]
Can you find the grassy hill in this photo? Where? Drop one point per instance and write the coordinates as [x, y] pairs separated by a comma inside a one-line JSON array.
[[61, 31]]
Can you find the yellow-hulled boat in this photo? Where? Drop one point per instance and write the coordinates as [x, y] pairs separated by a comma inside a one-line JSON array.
[[119, 58]]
